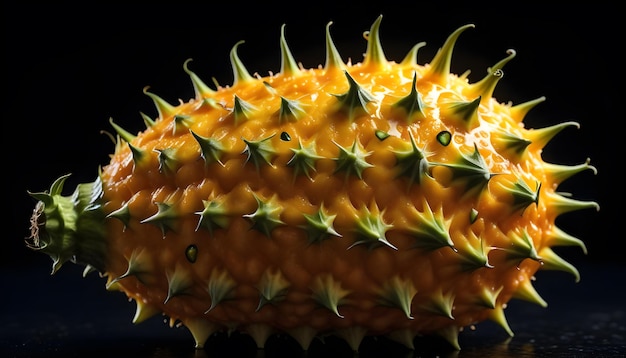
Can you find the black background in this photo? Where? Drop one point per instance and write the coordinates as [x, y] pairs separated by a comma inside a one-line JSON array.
[[68, 69]]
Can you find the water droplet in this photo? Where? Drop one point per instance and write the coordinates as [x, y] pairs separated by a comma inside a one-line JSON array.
[[191, 253], [381, 135], [444, 137]]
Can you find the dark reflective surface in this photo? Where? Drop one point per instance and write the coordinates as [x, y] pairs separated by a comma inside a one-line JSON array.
[[66, 316]]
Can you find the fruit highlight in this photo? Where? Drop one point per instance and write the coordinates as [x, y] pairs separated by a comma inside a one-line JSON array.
[[375, 198]]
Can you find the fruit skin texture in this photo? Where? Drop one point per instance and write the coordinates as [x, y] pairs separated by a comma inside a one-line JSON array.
[[375, 198]]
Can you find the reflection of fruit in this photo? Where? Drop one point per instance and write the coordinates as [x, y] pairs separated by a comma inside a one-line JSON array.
[[376, 198]]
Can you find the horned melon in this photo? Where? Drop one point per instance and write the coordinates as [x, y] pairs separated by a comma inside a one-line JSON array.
[[374, 198]]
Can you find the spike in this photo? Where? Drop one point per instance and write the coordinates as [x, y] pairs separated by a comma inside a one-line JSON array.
[[232, 327], [127, 136], [242, 110], [521, 247], [259, 332], [303, 335], [303, 159], [398, 293], [163, 108], [487, 297], [562, 204], [168, 164], [354, 102], [520, 111], [440, 304], [484, 88], [57, 186], [525, 291], [181, 123], [113, 286], [403, 336], [353, 335], [144, 311], [541, 137], [288, 65], [333, 59], [149, 122], [165, 217], [473, 216], [140, 156], [352, 160], [272, 288], [474, 254], [139, 266], [374, 55], [179, 283], [267, 215], [412, 104], [201, 329], [558, 237], [88, 269], [220, 288], [520, 192], [200, 88], [213, 216], [509, 144], [329, 293], [440, 65], [412, 163], [430, 231], [122, 214], [371, 229], [464, 114], [58, 261], [211, 149], [551, 261], [320, 226], [411, 58], [470, 170], [451, 335], [271, 90], [290, 110], [212, 103], [560, 173], [240, 73], [259, 151], [46, 197], [497, 316]]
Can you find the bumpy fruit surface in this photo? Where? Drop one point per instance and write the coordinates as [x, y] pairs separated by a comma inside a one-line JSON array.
[[375, 198]]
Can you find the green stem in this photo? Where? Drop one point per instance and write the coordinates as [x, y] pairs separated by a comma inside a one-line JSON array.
[[70, 228]]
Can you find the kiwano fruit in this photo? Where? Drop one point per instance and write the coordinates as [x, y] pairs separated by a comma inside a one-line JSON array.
[[377, 198]]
